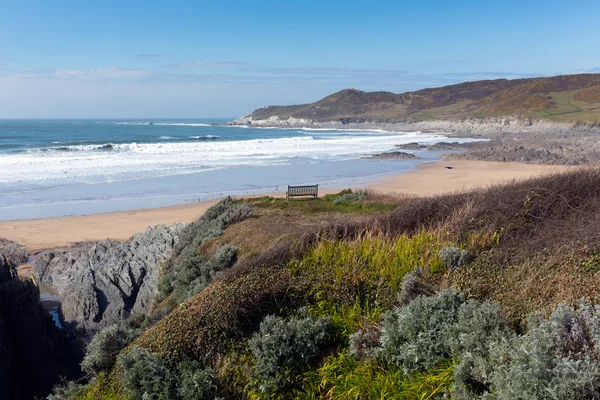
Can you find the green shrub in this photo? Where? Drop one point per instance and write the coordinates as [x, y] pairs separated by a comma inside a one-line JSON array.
[[413, 286], [364, 342], [454, 257], [284, 349], [418, 336], [480, 327], [103, 349], [148, 376], [195, 382], [145, 375], [359, 195], [554, 359], [187, 271], [225, 257], [67, 390]]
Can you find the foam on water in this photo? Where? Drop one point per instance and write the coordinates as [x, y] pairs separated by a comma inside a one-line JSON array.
[[58, 163]]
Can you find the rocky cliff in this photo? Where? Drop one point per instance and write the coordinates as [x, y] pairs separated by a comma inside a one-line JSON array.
[[33, 352], [101, 283]]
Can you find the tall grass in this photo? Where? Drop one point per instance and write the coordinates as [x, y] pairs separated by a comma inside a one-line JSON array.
[[343, 377], [372, 259]]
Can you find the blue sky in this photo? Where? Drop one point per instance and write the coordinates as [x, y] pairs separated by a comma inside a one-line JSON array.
[[93, 59]]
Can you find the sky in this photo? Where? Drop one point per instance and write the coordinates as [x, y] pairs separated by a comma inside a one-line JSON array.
[[203, 59]]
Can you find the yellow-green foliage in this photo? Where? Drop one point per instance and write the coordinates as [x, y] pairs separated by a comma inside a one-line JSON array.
[[341, 376], [371, 259], [346, 318], [104, 387]]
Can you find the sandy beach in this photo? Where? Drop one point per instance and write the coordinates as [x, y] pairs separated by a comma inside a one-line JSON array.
[[428, 179]]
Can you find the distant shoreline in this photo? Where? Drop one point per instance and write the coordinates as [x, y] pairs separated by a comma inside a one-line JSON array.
[[491, 127], [428, 179]]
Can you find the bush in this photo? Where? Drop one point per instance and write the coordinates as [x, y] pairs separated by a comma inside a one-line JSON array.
[[148, 376], [417, 337], [480, 327], [67, 390], [413, 286], [187, 271], [284, 349], [104, 348], [364, 342], [554, 359], [225, 257], [195, 382], [454, 257], [359, 195]]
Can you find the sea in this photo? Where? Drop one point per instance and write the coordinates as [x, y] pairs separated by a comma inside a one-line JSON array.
[[54, 168]]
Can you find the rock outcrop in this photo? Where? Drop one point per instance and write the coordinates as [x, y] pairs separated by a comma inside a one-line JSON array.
[[393, 155], [101, 283], [13, 251], [33, 352]]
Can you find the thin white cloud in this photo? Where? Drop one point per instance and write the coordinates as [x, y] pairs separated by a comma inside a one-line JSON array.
[[68, 73], [150, 55], [109, 72], [207, 64]]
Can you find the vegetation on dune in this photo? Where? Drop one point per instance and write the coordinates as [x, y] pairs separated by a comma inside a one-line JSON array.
[[188, 271], [346, 201], [471, 295]]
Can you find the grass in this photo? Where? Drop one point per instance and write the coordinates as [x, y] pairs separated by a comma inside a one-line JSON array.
[[341, 376], [323, 204], [568, 109], [371, 259]]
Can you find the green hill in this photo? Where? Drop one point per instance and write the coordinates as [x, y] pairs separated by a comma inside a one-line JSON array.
[[559, 98]]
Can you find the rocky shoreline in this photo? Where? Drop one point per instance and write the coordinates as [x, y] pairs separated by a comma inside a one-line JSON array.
[[471, 127], [510, 138]]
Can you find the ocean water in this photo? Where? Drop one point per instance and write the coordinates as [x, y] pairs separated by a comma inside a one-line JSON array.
[[51, 168]]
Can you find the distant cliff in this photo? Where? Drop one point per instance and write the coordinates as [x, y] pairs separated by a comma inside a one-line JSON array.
[[564, 102]]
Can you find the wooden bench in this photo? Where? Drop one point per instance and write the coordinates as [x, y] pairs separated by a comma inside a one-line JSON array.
[[299, 191]]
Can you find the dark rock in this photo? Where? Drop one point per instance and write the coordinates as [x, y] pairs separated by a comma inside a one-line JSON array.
[[411, 146], [398, 155], [33, 352], [13, 251], [101, 283]]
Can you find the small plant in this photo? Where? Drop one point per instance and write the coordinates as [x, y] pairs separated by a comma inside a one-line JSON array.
[[365, 342], [454, 257], [480, 328], [413, 286], [67, 390], [195, 382], [284, 349], [146, 376], [359, 195], [417, 337], [104, 348]]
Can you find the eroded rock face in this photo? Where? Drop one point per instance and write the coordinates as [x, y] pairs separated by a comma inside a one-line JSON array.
[[33, 352], [13, 251], [101, 283]]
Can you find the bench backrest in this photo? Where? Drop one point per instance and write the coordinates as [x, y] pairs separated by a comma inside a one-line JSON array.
[[311, 190]]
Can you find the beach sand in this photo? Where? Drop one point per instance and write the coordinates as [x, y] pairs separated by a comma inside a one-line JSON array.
[[428, 179]]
